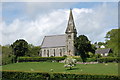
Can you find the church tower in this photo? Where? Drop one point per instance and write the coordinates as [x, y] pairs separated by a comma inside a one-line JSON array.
[[71, 34]]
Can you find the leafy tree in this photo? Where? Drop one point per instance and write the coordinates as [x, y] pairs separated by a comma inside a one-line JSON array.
[[90, 54], [101, 43], [19, 47], [113, 41], [7, 55], [83, 46], [33, 50]]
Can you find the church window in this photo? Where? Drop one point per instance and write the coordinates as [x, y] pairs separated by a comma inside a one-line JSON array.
[[69, 52], [48, 53], [63, 50], [69, 29], [54, 52], [60, 52], [74, 36], [44, 52], [69, 36]]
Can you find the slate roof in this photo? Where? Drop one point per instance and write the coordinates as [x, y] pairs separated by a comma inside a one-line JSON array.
[[54, 41], [103, 51]]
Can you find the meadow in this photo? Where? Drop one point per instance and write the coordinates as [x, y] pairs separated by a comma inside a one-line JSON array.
[[100, 68]]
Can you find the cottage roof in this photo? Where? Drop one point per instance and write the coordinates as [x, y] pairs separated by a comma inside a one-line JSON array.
[[103, 51], [54, 41]]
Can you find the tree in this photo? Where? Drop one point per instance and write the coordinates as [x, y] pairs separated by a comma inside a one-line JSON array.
[[70, 62], [19, 47], [7, 55], [33, 50], [83, 46], [101, 43], [113, 41]]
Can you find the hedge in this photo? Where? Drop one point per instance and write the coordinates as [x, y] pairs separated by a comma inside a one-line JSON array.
[[38, 59], [50, 59], [13, 75], [108, 59], [91, 60]]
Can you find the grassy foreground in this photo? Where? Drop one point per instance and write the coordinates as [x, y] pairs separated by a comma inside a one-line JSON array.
[[103, 68]]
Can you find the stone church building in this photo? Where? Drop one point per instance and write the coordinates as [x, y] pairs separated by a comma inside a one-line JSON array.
[[60, 45]]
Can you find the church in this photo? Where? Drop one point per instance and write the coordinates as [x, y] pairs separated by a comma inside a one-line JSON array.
[[60, 45]]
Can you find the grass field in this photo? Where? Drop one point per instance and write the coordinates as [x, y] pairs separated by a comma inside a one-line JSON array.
[[103, 68]]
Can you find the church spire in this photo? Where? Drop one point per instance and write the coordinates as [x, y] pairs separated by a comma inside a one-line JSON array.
[[71, 26]]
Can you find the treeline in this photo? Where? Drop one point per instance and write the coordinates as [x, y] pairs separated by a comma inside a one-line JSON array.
[[18, 48], [87, 50], [113, 41]]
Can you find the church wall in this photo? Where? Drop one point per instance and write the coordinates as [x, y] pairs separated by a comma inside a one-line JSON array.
[[57, 51]]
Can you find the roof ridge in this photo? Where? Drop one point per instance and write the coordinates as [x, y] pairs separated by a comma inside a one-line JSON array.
[[103, 48], [54, 35]]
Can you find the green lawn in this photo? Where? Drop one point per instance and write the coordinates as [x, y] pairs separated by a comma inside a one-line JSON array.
[[106, 68]]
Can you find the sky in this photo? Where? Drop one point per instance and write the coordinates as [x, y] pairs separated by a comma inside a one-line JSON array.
[[34, 20]]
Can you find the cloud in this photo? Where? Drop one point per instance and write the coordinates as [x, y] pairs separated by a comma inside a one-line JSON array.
[[34, 31], [93, 22]]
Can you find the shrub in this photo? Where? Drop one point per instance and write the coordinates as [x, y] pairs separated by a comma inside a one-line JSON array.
[[78, 58], [38, 59], [90, 54], [108, 59], [12, 75], [91, 60], [97, 56], [70, 62], [7, 59], [65, 56]]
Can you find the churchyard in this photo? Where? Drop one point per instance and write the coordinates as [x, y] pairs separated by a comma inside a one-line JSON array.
[[100, 68], [56, 70]]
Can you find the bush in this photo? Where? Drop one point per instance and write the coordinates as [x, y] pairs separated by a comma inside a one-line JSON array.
[[90, 54], [65, 56], [12, 75], [108, 59], [7, 59], [7, 55], [91, 60], [70, 62], [97, 56], [78, 58], [38, 59]]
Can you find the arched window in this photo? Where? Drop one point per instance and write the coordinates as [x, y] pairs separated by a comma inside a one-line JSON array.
[[69, 52], [48, 53], [44, 52], [60, 52], [63, 50], [69, 36], [54, 52]]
